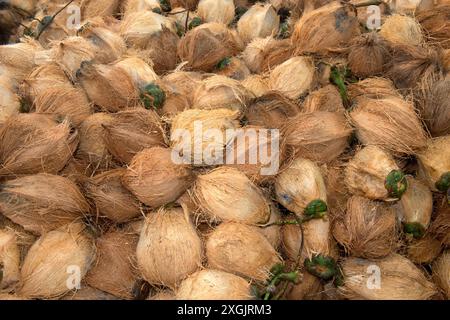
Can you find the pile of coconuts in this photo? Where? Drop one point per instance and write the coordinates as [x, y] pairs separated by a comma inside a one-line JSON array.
[[93, 207]]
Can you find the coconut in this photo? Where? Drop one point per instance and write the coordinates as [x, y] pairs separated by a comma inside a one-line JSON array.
[[188, 129], [189, 4], [111, 199], [88, 293], [440, 227], [183, 82], [425, 250], [400, 280], [103, 8], [259, 21], [9, 100], [109, 87], [18, 58], [53, 258], [326, 29], [221, 11], [308, 288], [377, 87], [43, 78], [131, 6], [206, 45], [373, 173], [169, 248], [233, 68], [388, 122], [404, 6], [221, 92], [367, 229], [217, 191], [155, 179], [211, 284], [293, 78], [239, 249], [9, 259], [256, 85], [174, 104], [429, 4], [57, 30], [434, 164], [273, 232], [324, 99], [436, 24], [184, 18], [132, 131], [42, 202], [402, 30], [441, 272], [165, 295], [32, 143], [436, 111], [113, 271], [368, 55], [320, 136]]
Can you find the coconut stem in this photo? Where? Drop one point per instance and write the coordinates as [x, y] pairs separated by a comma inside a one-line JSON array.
[[396, 184], [280, 223], [322, 267], [278, 275]]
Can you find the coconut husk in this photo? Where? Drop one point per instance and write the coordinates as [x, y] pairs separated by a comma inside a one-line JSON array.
[[217, 192], [324, 99], [141, 72], [233, 68], [169, 248], [211, 284], [102, 8], [372, 87], [446, 60], [441, 272], [256, 85], [188, 4], [429, 4], [23, 239], [239, 249], [337, 192], [111, 199], [221, 11], [175, 103], [272, 233], [42, 202], [113, 271], [407, 7], [206, 45], [88, 293], [402, 30], [132, 131], [183, 82], [293, 78], [320, 136], [42, 78], [58, 30], [272, 110], [9, 259], [367, 229], [165, 295], [9, 100], [425, 250], [183, 16], [308, 288], [434, 161], [155, 179], [260, 21], [33, 143], [18, 58], [435, 23], [131, 6], [436, 111], [368, 55], [440, 227], [53, 258], [388, 122], [398, 277]]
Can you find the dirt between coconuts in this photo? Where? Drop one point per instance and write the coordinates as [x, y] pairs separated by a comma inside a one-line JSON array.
[[231, 146], [225, 310]]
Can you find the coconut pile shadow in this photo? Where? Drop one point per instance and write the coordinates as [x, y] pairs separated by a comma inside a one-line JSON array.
[[224, 150]]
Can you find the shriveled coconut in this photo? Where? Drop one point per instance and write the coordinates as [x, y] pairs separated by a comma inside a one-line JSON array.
[[206, 45], [9, 100], [227, 194], [53, 258], [239, 249], [368, 55], [131, 131], [102, 8], [43, 78], [308, 288], [436, 23], [111, 199], [320, 136], [400, 280], [436, 111], [33, 143], [434, 163], [377, 87], [189, 4], [155, 179], [441, 272], [271, 110], [18, 58], [163, 295], [211, 284], [389, 122], [141, 73], [221, 11], [373, 173], [109, 87], [367, 229], [424, 250], [113, 271], [402, 30], [326, 29], [256, 84], [88, 293], [193, 147], [221, 92], [259, 21], [9, 259], [169, 248], [326, 98], [294, 77], [233, 68]]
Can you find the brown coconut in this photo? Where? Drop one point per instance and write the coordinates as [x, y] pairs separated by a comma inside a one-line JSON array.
[[436, 24], [169, 248], [42, 78], [9, 100], [273, 232], [189, 4], [53, 258], [111, 199], [326, 98], [436, 111], [227, 194], [183, 82], [103, 8], [174, 104], [260, 21], [440, 227], [155, 179], [308, 288], [114, 269], [163, 295], [211, 284], [18, 59], [9, 259], [221, 11], [402, 30], [239, 249], [400, 280], [434, 161], [367, 229], [425, 250], [320, 136], [233, 68], [388, 122], [256, 84], [376, 86], [441, 272], [132, 131]]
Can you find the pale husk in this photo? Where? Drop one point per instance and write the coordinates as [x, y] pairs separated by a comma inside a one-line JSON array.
[[400, 280], [404, 6], [98, 8], [9, 100], [43, 78], [155, 179], [131, 6], [435, 23], [211, 284], [141, 72], [188, 4], [237, 248], [221, 11], [236, 69], [256, 51], [9, 259], [416, 204], [169, 248], [256, 85], [436, 111], [227, 194], [18, 58], [441, 272], [434, 160], [260, 21], [183, 82], [326, 98], [376, 86], [272, 233], [402, 30], [45, 269]]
